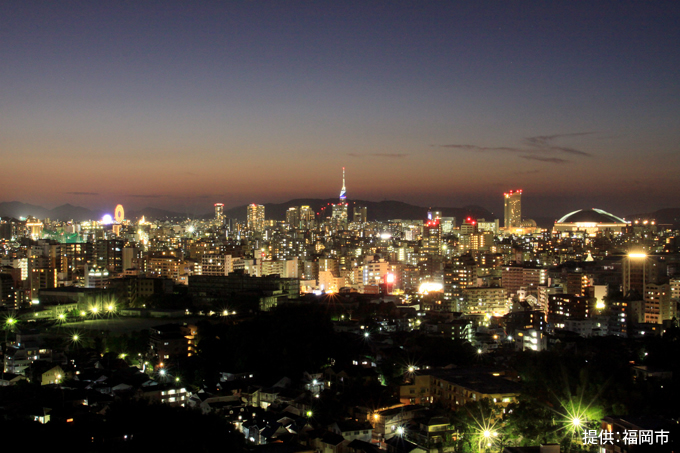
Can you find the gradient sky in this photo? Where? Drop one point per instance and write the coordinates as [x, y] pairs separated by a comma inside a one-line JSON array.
[[182, 104]]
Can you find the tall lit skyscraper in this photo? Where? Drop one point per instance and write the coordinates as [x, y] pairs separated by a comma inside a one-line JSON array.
[[219, 213], [513, 209], [432, 237], [255, 217], [293, 217], [306, 216], [360, 214], [339, 215]]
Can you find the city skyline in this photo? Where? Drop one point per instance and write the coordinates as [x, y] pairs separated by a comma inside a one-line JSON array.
[[444, 104]]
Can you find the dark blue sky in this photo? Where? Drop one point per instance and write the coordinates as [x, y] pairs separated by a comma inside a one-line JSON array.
[[183, 104]]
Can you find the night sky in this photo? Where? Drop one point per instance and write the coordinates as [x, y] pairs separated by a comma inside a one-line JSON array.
[[182, 104]]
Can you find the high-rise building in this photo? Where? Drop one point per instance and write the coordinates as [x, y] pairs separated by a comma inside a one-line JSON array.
[[306, 216], [293, 217], [638, 270], [340, 216], [432, 237], [513, 209], [459, 273], [255, 217], [658, 304], [360, 214], [219, 213]]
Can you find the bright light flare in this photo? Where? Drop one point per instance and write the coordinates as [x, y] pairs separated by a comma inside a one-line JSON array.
[[107, 219], [637, 255], [427, 287]]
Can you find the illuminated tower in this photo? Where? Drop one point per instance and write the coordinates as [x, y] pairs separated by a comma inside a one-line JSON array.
[[255, 217], [219, 213], [513, 209], [343, 191]]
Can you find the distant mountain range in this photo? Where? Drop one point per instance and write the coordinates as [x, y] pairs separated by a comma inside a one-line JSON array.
[[381, 210], [78, 213], [377, 210]]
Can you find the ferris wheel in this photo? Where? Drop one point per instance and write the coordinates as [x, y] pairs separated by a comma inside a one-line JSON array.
[[119, 214]]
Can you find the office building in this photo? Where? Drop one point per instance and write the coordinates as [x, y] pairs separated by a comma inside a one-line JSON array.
[[360, 214], [293, 217], [219, 214], [339, 216], [513, 209], [432, 237], [255, 217]]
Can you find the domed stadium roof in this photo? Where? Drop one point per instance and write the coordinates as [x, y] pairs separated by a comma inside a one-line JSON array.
[[590, 216]]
